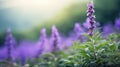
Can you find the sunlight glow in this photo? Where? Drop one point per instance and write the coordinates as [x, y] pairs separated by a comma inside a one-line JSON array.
[[36, 7], [21, 12]]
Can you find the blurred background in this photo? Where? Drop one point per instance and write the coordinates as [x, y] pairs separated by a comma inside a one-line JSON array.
[[27, 17]]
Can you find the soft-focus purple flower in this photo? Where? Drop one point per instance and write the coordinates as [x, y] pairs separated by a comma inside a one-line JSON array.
[[108, 29], [79, 31], [67, 42], [117, 24], [42, 43], [86, 24], [91, 16], [55, 37], [43, 35], [9, 45], [25, 50]]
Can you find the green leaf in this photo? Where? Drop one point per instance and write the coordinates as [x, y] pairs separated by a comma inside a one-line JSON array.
[[101, 44]]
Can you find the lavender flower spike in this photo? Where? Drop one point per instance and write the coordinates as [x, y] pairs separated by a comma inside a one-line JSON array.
[[43, 38], [55, 38], [42, 42], [9, 45], [91, 16]]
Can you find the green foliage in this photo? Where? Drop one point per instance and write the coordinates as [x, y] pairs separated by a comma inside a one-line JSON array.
[[96, 51]]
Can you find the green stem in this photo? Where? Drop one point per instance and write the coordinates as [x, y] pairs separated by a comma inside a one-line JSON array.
[[94, 48]]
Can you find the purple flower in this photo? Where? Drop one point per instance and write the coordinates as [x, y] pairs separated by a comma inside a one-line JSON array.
[[79, 32], [43, 35], [78, 29], [25, 50], [117, 24], [108, 29], [67, 42], [9, 45], [42, 44], [86, 24], [55, 39], [91, 16]]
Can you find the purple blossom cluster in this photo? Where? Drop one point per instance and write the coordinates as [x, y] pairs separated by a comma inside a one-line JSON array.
[[91, 16], [9, 44]]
